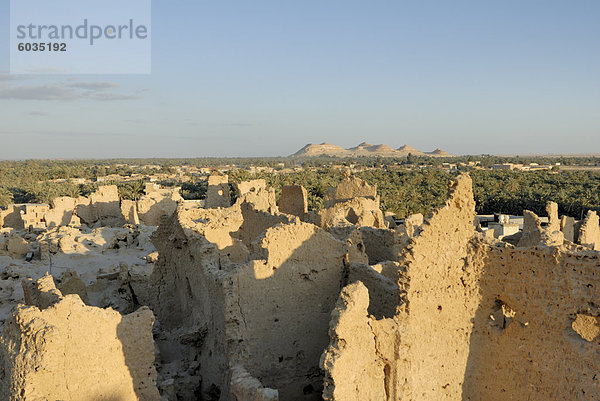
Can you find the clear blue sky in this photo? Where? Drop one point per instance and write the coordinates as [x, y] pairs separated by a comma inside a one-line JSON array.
[[263, 78]]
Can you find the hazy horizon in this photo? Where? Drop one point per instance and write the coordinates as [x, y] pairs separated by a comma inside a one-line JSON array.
[[264, 79]]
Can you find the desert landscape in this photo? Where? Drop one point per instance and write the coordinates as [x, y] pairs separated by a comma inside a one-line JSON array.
[[248, 294], [299, 200]]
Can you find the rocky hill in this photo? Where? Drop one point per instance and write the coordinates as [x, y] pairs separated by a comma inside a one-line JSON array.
[[364, 149]]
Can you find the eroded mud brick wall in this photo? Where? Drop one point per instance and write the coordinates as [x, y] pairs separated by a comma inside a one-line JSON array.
[[284, 303], [58, 348], [420, 350], [536, 333], [255, 290], [189, 300], [355, 370], [442, 299]]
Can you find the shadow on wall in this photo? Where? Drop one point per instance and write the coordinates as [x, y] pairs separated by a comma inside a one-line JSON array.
[[535, 333], [268, 312], [284, 304], [135, 333], [156, 212]]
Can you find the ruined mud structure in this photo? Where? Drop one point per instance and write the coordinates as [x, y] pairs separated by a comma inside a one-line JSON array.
[[265, 300]]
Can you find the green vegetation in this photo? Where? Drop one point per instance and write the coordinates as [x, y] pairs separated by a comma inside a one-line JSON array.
[[511, 191], [404, 188], [132, 190], [405, 192]]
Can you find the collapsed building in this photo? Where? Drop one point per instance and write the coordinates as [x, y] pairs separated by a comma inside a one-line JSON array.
[[102, 208], [265, 300], [24, 215], [431, 310], [56, 347]]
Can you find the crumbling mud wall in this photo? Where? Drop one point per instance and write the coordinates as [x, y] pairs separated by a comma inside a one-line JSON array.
[[534, 234], [475, 319], [189, 304], [350, 188], [57, 348], [532, 229], [61, 213], [420, 350], [257, 194], [536, 329], [589, 233], [253, 290], [23, 216], [33, 215], [11, 217], [217, 193], [156, 204], [352, 203], [355, 372], [284, 300], [254, 304], [441, 300], [567, 226], [383, 244], [129, 210], [102, 207], [246, 387], [357, 211], [294, 200]]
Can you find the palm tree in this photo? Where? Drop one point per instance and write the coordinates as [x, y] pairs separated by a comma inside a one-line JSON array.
[[137, 189], [73, 191], [6, 197]]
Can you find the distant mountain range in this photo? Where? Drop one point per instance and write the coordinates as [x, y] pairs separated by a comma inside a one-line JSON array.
[[364, 149]]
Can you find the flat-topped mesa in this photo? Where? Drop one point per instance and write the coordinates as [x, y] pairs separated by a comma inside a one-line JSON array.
[[323, 149], [364, 149], [405, 150], [362, 145], [57, 348], [438, 152]]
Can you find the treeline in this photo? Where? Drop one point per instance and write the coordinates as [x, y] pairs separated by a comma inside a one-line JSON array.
[[45, 192], [403, 191]]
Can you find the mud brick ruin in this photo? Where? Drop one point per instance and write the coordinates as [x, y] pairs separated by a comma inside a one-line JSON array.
[[264, 300]]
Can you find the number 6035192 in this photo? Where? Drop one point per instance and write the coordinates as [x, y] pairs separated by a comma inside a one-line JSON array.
[[42, 47]]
